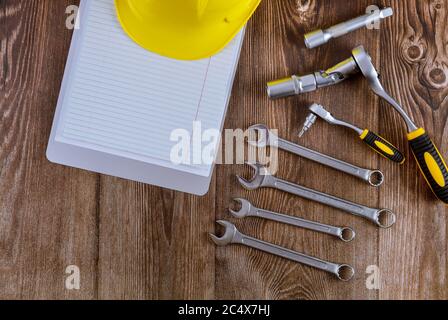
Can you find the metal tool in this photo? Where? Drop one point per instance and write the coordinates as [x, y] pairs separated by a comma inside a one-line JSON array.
[[267, 138], [307, 83], [346, 234], [231, 235], [430, 161], [319, 37], [374, 141], [383, 218]]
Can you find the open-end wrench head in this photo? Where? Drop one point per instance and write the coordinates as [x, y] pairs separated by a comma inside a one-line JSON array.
[[227, 237], [262, 134], [245, 208], [258, 178]]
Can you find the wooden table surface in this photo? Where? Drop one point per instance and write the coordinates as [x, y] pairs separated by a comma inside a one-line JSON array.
[[132, 240]]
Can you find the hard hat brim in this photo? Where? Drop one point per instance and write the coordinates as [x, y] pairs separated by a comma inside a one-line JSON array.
[[180, 41]]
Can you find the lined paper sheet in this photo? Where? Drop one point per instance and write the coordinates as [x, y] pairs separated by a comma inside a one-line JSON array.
[[124, 100]]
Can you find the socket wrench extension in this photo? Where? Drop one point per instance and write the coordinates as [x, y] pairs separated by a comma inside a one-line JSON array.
[[319, 37], [383, 218], [247, 209], [373, 140], [268, 139], [231, 235]]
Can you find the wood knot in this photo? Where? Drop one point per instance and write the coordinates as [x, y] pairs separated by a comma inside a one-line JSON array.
[[414, 50], [303, 5], [305, 10], [437, 76], [437, 4]]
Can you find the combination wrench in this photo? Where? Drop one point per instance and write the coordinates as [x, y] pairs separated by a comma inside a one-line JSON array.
[[231, 235], [383, 218], [268, 139], [247, 209]]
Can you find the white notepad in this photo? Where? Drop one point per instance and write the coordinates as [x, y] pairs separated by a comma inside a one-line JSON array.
[[119, 104]]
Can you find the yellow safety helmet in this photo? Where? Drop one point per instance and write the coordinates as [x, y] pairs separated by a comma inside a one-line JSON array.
[[184, 29]]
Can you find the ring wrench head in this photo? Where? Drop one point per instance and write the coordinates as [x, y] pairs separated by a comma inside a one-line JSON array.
[[258, 178], [376, 178], [385, 218], [347, 234], [245, 208], [262, 135], [345, 272], [227, 237]]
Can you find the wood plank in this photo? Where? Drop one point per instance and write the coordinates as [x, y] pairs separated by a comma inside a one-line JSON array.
[[414, 62], [136, 241], [153, 243], [47, 212], [277, 31]]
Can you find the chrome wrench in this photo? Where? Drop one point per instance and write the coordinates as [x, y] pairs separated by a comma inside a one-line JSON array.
[[383, 218], [231, 235], [267, 138], [346, 234]]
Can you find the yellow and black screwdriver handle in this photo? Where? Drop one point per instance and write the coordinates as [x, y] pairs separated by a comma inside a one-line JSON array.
[[382, 146], [431, 163]]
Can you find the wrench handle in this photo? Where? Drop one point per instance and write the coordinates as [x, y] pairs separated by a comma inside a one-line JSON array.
[[301, 223], [431, 163], [291, 255], [382, 146], [363, 174], [329, 200]]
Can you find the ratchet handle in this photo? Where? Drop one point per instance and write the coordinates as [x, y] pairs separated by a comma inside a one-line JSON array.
[[430, 162], [382, 146]]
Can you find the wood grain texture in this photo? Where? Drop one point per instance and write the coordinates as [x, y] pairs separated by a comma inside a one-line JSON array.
[[134, 241], [48, 215], [416, 58]]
